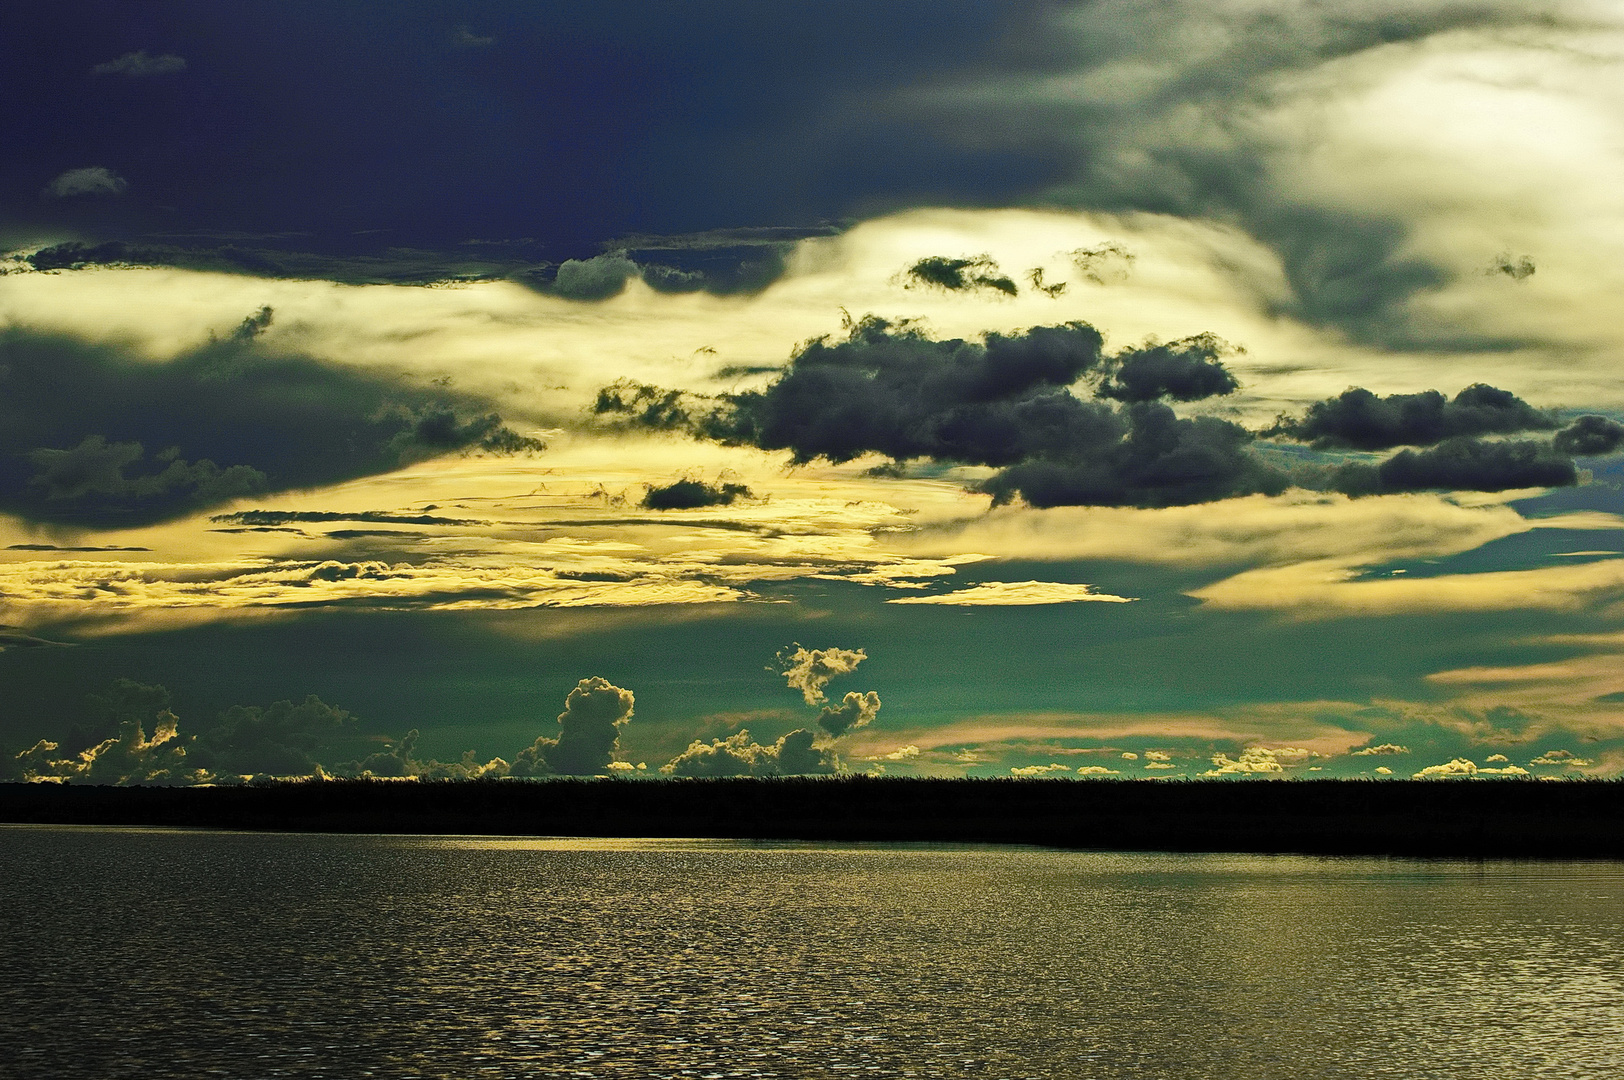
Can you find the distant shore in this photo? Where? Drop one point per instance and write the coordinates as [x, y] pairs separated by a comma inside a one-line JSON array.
[[1473, 819]]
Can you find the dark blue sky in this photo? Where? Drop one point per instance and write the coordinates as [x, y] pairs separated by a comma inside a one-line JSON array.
[[566, 123]]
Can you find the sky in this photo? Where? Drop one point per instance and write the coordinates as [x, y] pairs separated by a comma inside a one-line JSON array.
[[1146, 390]]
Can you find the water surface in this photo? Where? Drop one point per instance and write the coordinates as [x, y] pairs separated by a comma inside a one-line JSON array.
[[153, 953]]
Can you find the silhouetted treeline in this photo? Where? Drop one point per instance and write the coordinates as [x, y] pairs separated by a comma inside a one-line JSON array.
[[1579, 819]]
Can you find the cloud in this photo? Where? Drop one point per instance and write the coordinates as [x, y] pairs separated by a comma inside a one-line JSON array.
[[1465, 769], [1103, 264], [903, 753], [1016, 593], [1384, 748], [282, 739], [1041, 770], [959, 275], [1359, 420], [464, 38], [1562, 757], [1461, 464], [589, 733], [597, 278], [1096, 770], [1258, 761], [1184, 370], [854, 711], [139, 64], [1332, 588], [98, 435], [127, 756], [795, 754], [809, 670], [1589, 436], [692, 495], [1004, 401], [1518, 268], [95, 180]]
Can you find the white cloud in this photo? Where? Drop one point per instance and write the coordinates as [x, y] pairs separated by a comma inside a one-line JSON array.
[[1040, 770], [94, 180], [1016, 593], [1258, 760], [809, 670], [1562, 757], [1384, 748]]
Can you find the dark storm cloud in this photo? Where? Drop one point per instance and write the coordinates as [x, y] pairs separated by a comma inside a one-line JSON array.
[[693, 494], [589, 732], [282, 739], [1589, 436], [1002, 402], [889, 389], [140, 63], [93, 435], [794, 754], [1161, 460], [1360, 420], [1461, 464], [575, 125], [959, 275], [854, 711], [1184, 370]]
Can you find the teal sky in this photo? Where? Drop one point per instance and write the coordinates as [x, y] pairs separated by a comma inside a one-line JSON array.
[[1141, 390]]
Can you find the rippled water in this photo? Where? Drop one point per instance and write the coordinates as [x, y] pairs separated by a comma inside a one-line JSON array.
[[129, 953]]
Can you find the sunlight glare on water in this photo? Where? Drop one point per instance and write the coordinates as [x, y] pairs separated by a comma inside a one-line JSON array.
[[186, 953]]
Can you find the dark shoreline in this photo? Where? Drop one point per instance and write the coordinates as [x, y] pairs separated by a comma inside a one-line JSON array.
[[1470, 819]]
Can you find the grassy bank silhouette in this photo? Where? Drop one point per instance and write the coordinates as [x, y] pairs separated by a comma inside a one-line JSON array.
[[1499, 818]]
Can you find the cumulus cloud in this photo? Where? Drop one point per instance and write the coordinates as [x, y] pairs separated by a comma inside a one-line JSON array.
[[959, 275], [1040, 770], [1384, 748], [1461, 464], [1016, 593], [1561, 757], [1184, 370], [809, 670], [854, 711], [94, 180], [282, 739], [1003, 402], [1258, 760], [589, 733], [597, 278], [140, 63], [1589, 436], [795, 754], [128, 756], [1360, 420]]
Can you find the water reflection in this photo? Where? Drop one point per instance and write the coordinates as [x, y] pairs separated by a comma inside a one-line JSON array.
[[161, 954]]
